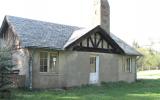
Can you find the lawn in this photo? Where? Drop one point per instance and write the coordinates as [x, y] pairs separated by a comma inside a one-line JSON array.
[[149, 74], [141, 90]]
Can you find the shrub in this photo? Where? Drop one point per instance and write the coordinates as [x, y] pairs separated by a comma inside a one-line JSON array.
[[5, 71]]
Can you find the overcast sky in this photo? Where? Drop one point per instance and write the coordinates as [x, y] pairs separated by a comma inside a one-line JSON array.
[[130, 19]]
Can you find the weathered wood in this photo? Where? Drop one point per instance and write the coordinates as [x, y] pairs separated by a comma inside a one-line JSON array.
[[92, 41], [100, 40], [102, 44], [87, 42], [105, 37], [78, 48], [95, 39]]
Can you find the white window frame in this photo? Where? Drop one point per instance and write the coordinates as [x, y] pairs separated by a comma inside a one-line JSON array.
[[125, 67], [48, 61], [130, 64], [93, 56], [40, 60]]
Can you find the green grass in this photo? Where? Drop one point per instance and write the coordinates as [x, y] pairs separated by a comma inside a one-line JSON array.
[[141, 90], [149, 74]]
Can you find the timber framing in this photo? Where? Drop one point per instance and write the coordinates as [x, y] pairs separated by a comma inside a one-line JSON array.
[[112, 46]]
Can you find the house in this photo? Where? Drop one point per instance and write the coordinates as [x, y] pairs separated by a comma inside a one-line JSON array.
[[52, 55]]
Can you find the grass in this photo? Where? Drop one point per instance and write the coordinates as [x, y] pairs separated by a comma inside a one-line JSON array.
[[149, 74], [140, 90]]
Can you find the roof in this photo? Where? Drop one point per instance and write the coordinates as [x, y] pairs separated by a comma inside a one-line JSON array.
[[41, 34], [126, 48], [35, 33], [77, 34]]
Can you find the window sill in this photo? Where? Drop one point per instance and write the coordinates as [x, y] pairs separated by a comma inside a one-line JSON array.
[[128, 72], [50, 73]]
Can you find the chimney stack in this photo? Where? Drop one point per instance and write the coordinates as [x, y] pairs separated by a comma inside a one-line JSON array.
[[101, 14]]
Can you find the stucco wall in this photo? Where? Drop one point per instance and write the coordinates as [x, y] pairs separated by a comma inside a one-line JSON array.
[[74, 69], [127, 76], [20, 58], [45, 79], [109, 67], [75, 66]]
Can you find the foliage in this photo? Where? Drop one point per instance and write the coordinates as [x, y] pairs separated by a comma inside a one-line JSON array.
[[140, 90], [135, 44], [5, 68], [150, 60]]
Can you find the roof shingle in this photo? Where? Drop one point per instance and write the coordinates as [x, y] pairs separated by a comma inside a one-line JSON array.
[[35, 33]]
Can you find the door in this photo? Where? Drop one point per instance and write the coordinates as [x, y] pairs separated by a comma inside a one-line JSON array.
[[94, 69]]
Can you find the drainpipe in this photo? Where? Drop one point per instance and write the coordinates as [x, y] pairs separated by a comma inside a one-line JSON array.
[[30, 68]]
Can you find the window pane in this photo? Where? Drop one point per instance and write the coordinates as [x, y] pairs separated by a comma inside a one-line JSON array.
[[41, 69], [53, 62], [93, 64], [45, 68], [128, 65], [43, 61]]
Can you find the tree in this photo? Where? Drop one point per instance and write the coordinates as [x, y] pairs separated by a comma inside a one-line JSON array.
[[5, 70], [150, 60], [135, 44]]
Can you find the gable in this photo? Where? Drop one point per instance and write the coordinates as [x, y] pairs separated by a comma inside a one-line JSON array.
[[96, 40]]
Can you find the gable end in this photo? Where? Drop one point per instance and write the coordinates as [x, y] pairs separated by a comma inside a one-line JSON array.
[[96, 40]]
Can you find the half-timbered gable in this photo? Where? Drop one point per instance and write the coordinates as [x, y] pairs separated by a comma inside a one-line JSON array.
[[96, 40]]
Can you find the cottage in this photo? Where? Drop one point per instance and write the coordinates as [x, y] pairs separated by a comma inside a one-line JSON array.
[[52, 55]]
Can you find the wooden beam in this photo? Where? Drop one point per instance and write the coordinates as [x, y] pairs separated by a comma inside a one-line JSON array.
[[99, 42], [92, 41], [102, 44], [107, 45], [95, 39], [81, 44], [87, 42], [78, 48], [105, 37]]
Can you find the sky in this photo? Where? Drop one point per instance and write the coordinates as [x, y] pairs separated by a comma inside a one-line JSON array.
[[131, 20]]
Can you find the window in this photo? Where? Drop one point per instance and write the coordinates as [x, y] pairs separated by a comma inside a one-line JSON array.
[[53, 62], [93, 64], [128, 65], [43, 61], [48, 62]]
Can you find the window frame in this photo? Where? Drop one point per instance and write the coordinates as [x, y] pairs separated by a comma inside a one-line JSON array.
[[127, 65], [40, 61], [48, 61], [92, 60]]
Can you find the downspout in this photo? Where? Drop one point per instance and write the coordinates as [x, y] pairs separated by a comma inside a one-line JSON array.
[[30, 68]]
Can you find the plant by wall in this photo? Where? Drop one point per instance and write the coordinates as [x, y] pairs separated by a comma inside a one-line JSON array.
[[5, 71]]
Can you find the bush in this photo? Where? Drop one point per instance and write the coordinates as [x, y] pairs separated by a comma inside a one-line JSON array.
[[5, 71]]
